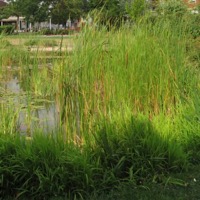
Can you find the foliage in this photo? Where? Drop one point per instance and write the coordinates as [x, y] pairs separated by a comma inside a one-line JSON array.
[[136, 8], [6, 29], [47, 31], [112, 11], [172, 8], [128, 105], [133, 143], [65, 9], [2, 12], [194, 25], [14, 8], [56, 32], [63, 168], [128, 151], [38, 11], [33, 11]]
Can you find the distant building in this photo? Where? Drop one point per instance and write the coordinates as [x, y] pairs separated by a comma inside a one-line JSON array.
[[18, 22], [2, 3]]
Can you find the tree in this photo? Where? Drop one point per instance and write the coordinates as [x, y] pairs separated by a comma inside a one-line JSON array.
[[32, 10], [14, 9], [40, 10], [136, 8], [2, 9], [35, 11], [111, 10], [63, 9]]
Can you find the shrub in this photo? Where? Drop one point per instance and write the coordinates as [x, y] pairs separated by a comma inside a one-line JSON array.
[[56, 32], [8, 29], [136, 9], [62, 32], [194, 25], [47, 32], [173, 7]]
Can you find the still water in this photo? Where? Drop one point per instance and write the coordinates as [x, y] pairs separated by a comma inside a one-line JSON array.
[[34, 113]]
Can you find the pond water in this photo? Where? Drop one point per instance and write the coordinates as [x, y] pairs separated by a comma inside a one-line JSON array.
[[34, 113]]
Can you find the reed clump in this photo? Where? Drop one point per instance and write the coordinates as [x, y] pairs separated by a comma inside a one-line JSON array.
[[128, 101]]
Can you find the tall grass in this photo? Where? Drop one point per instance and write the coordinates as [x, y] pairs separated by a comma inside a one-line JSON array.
[[42, 167], [128, 101], [143, 68], [132, 152], [9, 117]]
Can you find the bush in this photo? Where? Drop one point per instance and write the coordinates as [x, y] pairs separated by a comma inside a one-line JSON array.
[[62, 32], [8, 29], [172, 7], [194, 25], [136, 9], [56, 32], [47, 32]]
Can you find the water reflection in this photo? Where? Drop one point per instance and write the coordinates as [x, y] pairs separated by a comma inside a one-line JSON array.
[[12, 85], [35, 114]]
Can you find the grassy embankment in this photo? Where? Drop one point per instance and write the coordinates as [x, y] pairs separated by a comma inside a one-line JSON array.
[[129, 112]]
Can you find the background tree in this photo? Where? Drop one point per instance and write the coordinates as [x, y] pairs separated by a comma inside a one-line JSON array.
[[63, 9], [32, 10], [136, 8], [14, 8], [111, 10]]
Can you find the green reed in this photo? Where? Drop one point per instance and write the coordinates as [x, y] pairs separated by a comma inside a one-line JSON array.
[[128, 101], [143, 68]]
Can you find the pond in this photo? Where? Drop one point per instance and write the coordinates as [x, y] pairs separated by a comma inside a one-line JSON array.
[[34, 113]]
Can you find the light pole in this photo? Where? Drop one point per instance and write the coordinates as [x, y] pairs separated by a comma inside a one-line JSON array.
[[50, 23]]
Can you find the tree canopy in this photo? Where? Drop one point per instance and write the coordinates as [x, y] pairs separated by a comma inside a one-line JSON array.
[[61, 10], [40, 10], [64, 9]]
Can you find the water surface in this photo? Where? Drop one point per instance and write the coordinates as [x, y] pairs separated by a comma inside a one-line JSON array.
[[35, 113]]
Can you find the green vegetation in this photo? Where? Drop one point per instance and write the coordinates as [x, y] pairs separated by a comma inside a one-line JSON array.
[[41, 10], [128, 102], [7, 29]]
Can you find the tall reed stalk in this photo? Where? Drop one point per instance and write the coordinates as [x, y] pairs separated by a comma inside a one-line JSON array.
[[143, 68]]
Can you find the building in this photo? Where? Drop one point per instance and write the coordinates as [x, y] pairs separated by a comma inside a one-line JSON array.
[[18, 22]]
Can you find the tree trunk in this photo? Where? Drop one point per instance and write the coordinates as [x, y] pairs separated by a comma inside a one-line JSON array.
[[17, 24]]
